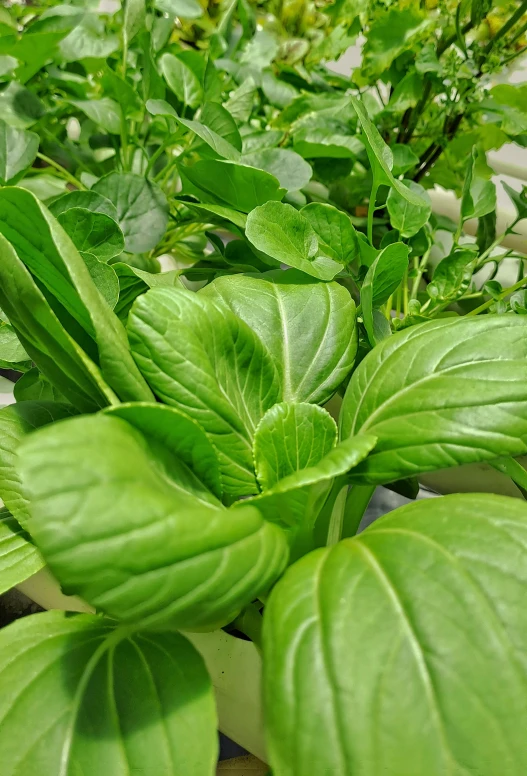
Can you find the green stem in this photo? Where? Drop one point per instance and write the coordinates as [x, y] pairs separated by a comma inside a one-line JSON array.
[[405, 293], [65, 173], [504, 293], [359, 496], [420, 271], [336, 521], [512, 469], [250, 622], [371, 208]]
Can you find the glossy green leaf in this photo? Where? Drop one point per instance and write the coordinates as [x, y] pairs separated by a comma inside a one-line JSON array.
[[235, 185], [19, 558], [18, 149], [406, 217], [104, 112], [16, 422], [308, 327], [291, 436], [92, 232], [135, 545], [142, 209], [479, 194], [75, 680], [181, 80], [382, 278], [452, 276], [228, 381], [373, 664], [336, 234], [441, 394], [184, 9], [89, 200], [291, 171], [51, 256], [221, 211], [282, 232]]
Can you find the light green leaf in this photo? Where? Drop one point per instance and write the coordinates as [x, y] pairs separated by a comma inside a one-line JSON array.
[[134, 19], [73, 679], [452, 276], [45, 187], [257, 141], [92, 232], [308, 327], [406, 217], [287, 236], [7, 64], [406, 94], [11, 349], [278, 92], [88, 40], [138, 547], [89, 200], [33, 386], [241, 101], [290, 169], [362, 634], [134, 281], [336, 234], [260, 50], [142, 208], [221, 211], [105, 112], [181, 80], [383, 277], [518, 199], [235, 185], [104, 277], [291, 436], [16, 422], [18, 149], [325, 137], [441, 394], [403, 158], [184, 9], [228, 381], [426, 60], [390, 34], [479, 194], [19, 558], [217, 118]]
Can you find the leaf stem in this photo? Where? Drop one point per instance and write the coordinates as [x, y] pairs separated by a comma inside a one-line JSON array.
[[250, 622], [420, 271], [65, 173], [504, 293], [336, 521], [359, 496]]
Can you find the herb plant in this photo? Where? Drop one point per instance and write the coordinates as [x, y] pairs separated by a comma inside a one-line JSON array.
[[234, 315]]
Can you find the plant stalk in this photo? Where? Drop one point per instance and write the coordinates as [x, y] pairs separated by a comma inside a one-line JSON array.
[[65, 173], [358, 498]]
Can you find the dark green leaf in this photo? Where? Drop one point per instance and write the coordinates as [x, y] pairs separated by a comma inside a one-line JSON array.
[[19, 107], [518, 199], [12, 352], [389, 35], [104, 277], [89, 200], [486, 233], [479, 194], [33, 386]]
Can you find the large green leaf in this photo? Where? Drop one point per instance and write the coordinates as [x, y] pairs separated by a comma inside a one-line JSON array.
[[291, 436], [287, 236], [181, 80], [18, 149], [45, 340], [19, 558], [440, 394], [290, 169], [199, 357], [47, 251], [74, 684], [92, 232], [142, 208], [307, 326], [336, 234], [121, 531], [402, 650], [236, 185], [382, 278], [16, 422]]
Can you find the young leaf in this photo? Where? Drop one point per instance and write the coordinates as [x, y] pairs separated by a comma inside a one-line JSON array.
[[382, 278], [307, 326], [441, 394], [362, 631], [19, 558], [479, 194], [181, 80], [291, 171], [18, 149], [404, 216], [336, 234], [291, 436], [452, 276], [235, 185], [135, 545], [142, 208], [518, 199], [92, 232], [74, 680], [16, 422], [285, 234], [228, 381]]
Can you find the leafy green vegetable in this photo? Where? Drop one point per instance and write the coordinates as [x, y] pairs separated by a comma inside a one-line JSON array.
[[92, 232], [19, 558], [408, 218], [236, 185], [381, 280], [336, 234], [18, 149]]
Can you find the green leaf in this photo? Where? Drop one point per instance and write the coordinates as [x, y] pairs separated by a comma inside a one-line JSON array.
[[279, 93], [479, 194], [403, 158], [142, 209], [486, 233], [381, 158], [45, 340], [228, 381], [291, 436], [441, 394], [406, 94], [89, 40], [19, 107], [260, 50], [241, 101], [325, 137], [404, 216], [518, 199], [18, 149], [134, 19], [181, 80], [11, 349], [452, 276], [89, 200], [291, 171], [16, 422], [222, 212], [52, 258], [184, 9], [391, 33], [382, 278], [104, 277], [33, 386], [285, 234], [217, 118], [105, 112], [235, 185], [74, 680], [92, 232], [308, 327], [362, 634], [426, 60], [138, 547], [19, 558], [336, 234]]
